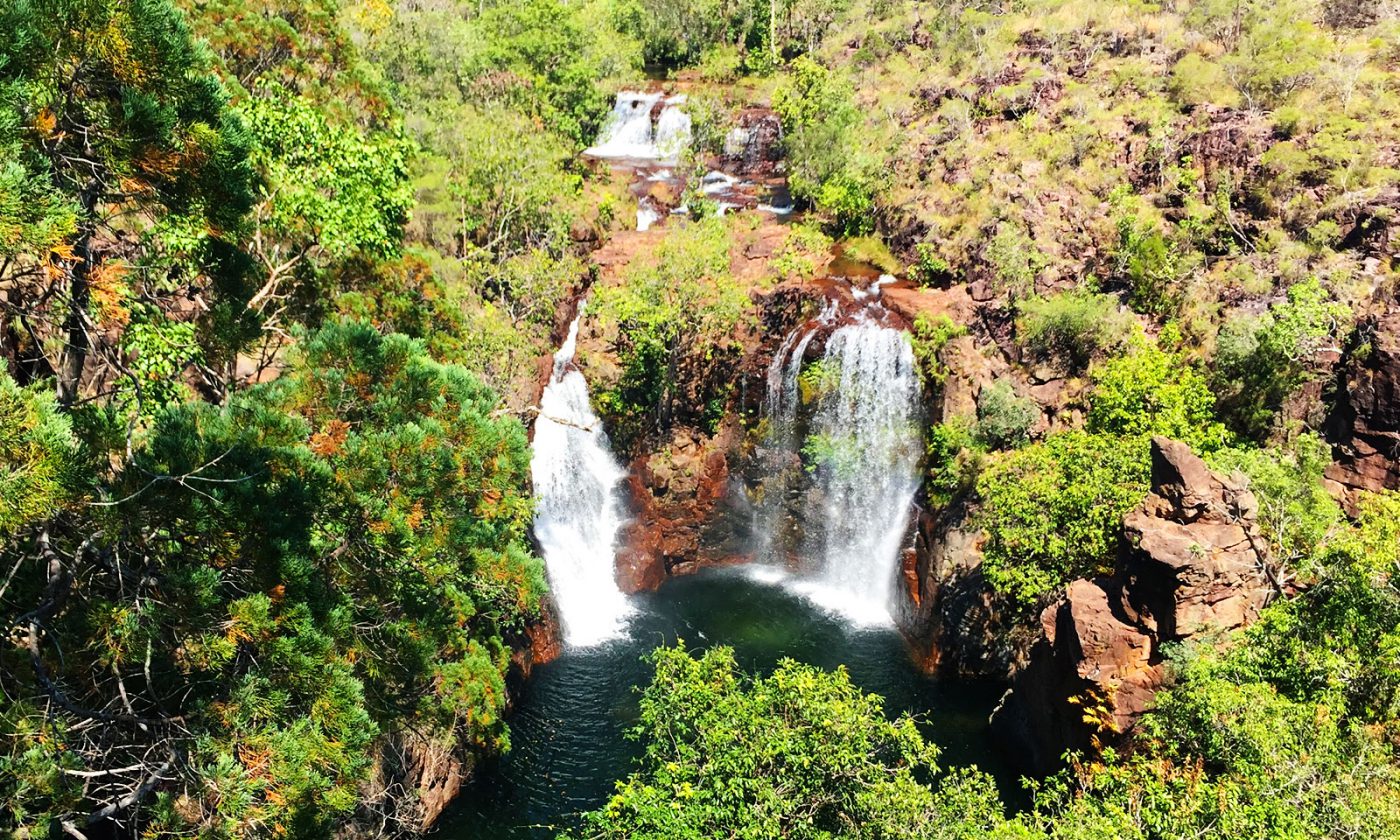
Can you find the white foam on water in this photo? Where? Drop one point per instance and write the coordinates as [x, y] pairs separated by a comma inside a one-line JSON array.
[[630, 133]]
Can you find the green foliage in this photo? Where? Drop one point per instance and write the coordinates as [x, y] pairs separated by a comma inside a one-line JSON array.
[[1004, 418], [801, 753], [338, 554], [928, 269], [1295, 511], [108, 111], [748, 34], [1073, 328], [1150, 265], [929, 336], [330, 188], [550, 60], [1196, 80], [1261, 360], [1016, 260], [1052, 510], [805, 246], [817, 380], [675, 318], [1148, 391], [847, 199], [826, 161], [38, 457], [956, 455]]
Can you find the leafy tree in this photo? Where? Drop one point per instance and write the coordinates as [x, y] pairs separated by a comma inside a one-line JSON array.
[[1261, 361], [801, 753], [677, 33], [675, 313], [331, 193], [266, 588], [1295, 511], [38, 457], [819, 117], [123, 117], [1149, 391], [1052, 510], [546, 63], [497, 184]]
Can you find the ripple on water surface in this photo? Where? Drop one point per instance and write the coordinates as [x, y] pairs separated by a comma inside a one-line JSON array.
[[569, 726]]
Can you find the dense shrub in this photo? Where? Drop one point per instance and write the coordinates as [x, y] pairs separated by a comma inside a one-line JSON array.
[[1073, 328], [1148, 391], [828, 165], [1296, 512], [675, 318], [1261, 360], [333, 556], [1053, 510], [1004, 418]]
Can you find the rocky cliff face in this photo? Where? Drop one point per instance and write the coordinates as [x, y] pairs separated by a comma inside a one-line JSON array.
[[953, 618], [676, 493], [1191, 562], [1365, 423]]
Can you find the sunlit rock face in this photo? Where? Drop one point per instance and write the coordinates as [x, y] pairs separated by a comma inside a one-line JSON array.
[[1365, 424], [1192, 561]]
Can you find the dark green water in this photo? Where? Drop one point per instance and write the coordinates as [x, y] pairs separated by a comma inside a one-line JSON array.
[[568, 730]]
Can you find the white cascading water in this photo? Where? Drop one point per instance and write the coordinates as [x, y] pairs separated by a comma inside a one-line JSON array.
[[578, 510], [630, 133], [672, 130], [868, 422], [864, 430]]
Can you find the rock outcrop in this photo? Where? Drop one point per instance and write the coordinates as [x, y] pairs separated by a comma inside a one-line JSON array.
[[955, 623], [1191, 562], [1365, 423], [754, 147]]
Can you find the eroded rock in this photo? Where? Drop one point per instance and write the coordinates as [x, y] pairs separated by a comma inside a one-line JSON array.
[[1191, 561], [1365, 424]]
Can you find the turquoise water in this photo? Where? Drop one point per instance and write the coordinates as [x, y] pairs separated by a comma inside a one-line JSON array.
[[567, 732]]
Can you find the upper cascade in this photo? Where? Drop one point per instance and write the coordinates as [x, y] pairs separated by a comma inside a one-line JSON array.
[[644, 126], [578, 507]]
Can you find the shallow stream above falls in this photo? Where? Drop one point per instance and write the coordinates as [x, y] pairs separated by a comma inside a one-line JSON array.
[[567, 732]]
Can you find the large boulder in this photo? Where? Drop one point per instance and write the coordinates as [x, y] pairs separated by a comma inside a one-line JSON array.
[[1191, 561], [1365, 423]]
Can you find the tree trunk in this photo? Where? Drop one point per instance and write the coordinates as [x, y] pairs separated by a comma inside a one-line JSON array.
[[76, 344]]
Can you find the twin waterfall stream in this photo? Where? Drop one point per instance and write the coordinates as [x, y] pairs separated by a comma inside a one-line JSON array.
[[820, 506], [839, 458]]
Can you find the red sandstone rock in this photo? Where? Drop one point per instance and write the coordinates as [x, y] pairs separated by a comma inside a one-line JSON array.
[[674, 494], [1191, 561], [1365, 425]]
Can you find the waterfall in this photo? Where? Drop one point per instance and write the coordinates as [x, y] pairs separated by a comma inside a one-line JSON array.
[[578, 510], [865, 436], [778, 450], [862, 450], [672, 130], [629, 132]]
